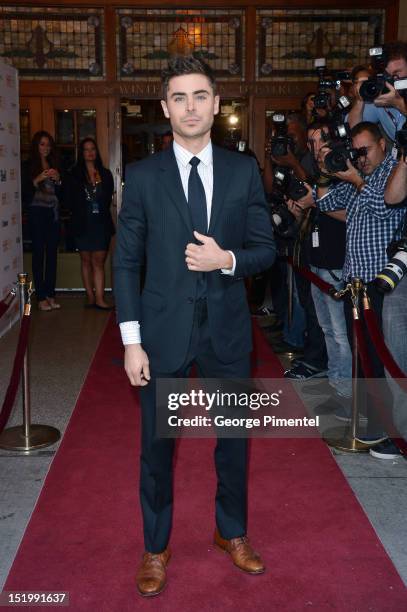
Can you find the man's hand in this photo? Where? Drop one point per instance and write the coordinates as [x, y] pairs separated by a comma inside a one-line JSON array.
[[351, 175], [136, 365], [392, 98], [207, 256], [322, 153], [308, 200], [295, 209]]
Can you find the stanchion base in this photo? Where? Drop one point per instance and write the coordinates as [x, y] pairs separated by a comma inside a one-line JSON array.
[[40, 436], [341, 438]]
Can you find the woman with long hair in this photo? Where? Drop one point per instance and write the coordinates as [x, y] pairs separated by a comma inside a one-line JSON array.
[[307, 107], [41, 194], [90, 197]]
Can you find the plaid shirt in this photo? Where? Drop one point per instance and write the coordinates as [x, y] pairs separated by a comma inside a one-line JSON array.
[[370, 224]]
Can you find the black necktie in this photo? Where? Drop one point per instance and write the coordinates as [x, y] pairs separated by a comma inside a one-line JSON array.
[[197, 199], [199, 214]]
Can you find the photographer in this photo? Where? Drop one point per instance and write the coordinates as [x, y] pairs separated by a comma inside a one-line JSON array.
[[300, 161], [389, 108], [370, 224], [296, 157], [357, 76], [326, 255], [395, 302]]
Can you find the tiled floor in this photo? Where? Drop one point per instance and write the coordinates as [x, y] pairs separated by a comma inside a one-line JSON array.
[[61, 348]]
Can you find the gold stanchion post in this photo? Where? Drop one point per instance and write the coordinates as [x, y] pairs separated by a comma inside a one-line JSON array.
[[27, 437], [345, 438]]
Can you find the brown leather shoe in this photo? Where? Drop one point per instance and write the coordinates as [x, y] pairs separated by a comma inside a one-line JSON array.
[[243, 555], [151, 577]]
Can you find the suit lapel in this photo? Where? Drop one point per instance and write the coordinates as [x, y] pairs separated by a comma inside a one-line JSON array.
[[173, 185], [222, 172]]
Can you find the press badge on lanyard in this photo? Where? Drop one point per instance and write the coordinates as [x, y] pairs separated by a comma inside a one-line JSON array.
[[315, 237]]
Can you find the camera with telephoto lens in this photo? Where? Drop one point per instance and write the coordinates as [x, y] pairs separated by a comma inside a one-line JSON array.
[[335, 160], [341, 149], [285, 185], [375, 86], [396, 267], [283, 221], [327, 84], [322, 98], [280, 142]]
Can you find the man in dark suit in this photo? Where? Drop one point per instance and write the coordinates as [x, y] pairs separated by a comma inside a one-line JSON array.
[[196, 217]]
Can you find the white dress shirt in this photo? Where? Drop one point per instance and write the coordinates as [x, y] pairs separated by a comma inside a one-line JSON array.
[[130, 330]]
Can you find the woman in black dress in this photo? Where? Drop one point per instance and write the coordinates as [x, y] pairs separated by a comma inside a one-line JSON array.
[[41, 193], [90, 197]]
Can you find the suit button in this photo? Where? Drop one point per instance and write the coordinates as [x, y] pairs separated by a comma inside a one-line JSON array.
[[190, 300]]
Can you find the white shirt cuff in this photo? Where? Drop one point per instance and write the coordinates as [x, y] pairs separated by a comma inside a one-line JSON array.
[[233, 268], [130, 331]]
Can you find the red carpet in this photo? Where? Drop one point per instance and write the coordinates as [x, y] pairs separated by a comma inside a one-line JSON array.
[[85, 533]]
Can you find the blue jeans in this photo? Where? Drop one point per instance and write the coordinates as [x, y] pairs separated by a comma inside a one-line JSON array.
[[395, 334], [44, 230], [331, 318]]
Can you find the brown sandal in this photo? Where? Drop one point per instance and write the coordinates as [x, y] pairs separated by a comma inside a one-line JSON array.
[[53, 304], [44, 305]]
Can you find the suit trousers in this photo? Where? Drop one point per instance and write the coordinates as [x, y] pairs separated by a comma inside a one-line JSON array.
[[156, 466]]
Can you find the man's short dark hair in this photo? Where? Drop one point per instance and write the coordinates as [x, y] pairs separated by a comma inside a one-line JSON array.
[[356, 70], [367, 126], [318, 125], [180, 65], [395, 50], [293, 117]]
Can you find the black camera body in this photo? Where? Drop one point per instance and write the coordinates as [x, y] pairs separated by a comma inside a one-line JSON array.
[[281, 143], [283, 221], [296, 188], [340, 143], [328, 83], [285, 185], [335, 160], [375, 86], [322, 99]]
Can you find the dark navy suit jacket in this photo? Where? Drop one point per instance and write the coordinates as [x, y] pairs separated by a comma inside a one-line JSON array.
[[153, 230]]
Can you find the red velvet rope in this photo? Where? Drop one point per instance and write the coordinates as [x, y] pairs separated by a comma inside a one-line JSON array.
[[16, 372], [362, 349], [313, 278]]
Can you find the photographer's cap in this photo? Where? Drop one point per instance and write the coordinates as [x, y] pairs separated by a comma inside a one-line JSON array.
[[375, 51]]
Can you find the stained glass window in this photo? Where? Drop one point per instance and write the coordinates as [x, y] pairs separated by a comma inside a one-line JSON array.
[[148, 38], [53, 42], [289, 41]]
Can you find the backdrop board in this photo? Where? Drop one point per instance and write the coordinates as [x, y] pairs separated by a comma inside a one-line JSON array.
[[11, 256]]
